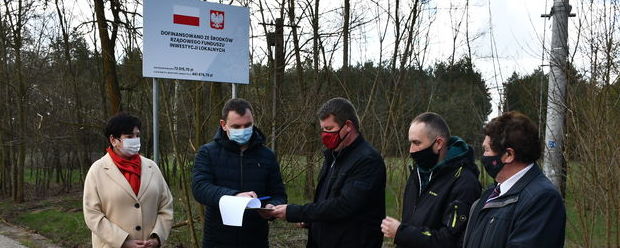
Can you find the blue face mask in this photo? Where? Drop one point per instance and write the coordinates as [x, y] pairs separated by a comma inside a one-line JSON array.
[[241, 136]]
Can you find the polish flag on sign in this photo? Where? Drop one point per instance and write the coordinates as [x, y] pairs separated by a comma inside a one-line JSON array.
[[185, 15]]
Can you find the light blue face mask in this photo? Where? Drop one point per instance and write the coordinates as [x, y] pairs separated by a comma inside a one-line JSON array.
[[241, 136]]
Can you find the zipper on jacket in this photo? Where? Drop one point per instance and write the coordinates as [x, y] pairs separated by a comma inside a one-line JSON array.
[[415, 206], [454, 217], [420, 182], [241, 166]]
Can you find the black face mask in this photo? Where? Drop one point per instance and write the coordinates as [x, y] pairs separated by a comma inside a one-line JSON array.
[[425, 159], [492, 164]]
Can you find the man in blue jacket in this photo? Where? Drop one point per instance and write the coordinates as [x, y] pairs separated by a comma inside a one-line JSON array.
[[237, 163], [523, 209]]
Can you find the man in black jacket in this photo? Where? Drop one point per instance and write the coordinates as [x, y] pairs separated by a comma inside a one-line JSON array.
[[237, 163], [523, 209], [349, 201], [440, 189]]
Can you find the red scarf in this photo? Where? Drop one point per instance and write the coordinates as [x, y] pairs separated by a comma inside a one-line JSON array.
[[131, 168]]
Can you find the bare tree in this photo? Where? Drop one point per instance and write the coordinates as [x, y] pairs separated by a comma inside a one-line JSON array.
[[5, 115], [108, 43], [16, 16], [592, 114], [456, 27], [346, 34], [68, 75]]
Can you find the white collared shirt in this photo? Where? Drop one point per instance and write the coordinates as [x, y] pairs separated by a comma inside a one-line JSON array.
[[506, 185]]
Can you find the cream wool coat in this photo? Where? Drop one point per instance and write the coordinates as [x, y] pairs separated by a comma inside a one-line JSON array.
[[112, 210]]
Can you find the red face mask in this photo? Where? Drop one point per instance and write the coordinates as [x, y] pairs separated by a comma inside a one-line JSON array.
[[332, 139]]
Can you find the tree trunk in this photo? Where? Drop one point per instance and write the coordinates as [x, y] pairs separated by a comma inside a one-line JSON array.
[[21, 109], [200, 130], [396, 35], [298, 65], [18, 168], [310, 131], [216, 103], [68, 75], [107, 52], [345, 32], [179, 159], [5, 164], [278, 65], [315, 40]]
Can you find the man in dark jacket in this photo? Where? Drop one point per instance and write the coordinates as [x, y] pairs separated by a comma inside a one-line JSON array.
[[237, 163], [523, 209], [349, 201], [440, 189]]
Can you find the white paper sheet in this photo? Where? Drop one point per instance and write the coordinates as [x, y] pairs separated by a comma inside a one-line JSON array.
[[233, 207]]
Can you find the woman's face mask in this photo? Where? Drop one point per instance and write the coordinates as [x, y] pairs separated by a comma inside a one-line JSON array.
[[129, 146]]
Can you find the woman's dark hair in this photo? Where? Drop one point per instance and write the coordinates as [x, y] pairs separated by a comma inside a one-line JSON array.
[[515, 130], [119, 124], [342, 110]]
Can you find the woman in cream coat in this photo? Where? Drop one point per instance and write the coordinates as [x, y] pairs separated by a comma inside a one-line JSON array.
[[127, 202]]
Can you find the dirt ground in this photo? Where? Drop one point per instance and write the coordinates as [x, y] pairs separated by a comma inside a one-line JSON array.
[[24, 236]]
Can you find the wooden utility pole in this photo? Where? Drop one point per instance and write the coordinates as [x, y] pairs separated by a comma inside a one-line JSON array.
[[276, 39], [278, 73]]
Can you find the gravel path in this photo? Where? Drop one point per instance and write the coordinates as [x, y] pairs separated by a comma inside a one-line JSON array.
[[10, 235], [9, 243]]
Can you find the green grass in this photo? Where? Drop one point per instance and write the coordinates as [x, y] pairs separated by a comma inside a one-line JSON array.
[[59, 219], [62, 227], [27, 243], [594, 217]]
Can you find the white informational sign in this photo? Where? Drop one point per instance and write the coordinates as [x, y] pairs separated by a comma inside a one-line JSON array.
[[195, 40]]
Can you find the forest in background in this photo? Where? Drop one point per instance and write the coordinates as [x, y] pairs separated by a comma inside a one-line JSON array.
[[61, 81]]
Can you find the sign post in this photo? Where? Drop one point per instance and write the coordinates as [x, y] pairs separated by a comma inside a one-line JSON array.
[[194, 40], [155, 121]]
